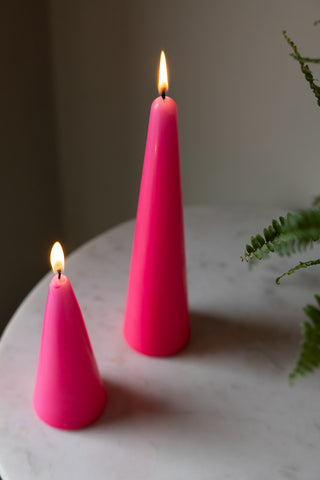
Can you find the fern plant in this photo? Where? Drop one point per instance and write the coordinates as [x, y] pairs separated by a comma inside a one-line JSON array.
[[295, 233]]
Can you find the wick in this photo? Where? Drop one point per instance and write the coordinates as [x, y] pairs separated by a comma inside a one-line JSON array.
[[163, 94], [59, 274]]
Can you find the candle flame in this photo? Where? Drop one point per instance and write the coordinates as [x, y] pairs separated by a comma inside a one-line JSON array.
[[57, 258], [163, 74]]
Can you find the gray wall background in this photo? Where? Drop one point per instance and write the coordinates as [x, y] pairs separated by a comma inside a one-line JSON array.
[[77, 82], [30, 192]]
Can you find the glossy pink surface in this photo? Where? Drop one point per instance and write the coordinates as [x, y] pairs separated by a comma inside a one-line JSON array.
[[69, 392], [156, 317]]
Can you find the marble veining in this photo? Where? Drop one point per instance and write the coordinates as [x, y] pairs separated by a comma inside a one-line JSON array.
[[220, 409]]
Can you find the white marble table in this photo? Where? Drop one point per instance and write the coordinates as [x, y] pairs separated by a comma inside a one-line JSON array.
[[221, 409]]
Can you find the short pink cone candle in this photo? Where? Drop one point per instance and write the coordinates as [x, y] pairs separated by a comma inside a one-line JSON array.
[[156, 317], [69, 392]]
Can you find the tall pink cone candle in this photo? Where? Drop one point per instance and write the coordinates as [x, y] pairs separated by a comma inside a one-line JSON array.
[[156, 317], [69, 392]]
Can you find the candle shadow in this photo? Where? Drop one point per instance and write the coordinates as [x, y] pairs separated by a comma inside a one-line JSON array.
[[134, 412], [124, 403], [216, 335]]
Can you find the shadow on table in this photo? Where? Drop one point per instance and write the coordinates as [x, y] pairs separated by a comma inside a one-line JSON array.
[[214, 335], [125, 403], [262, 345]]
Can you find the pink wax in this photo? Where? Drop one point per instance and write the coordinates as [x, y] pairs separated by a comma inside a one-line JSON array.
[[156, 317], [69, 392]]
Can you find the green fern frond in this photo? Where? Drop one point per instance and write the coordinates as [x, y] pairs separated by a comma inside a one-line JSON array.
[[260, 246], [309, 358], [305, 59], [292, 270], [316, 202], [304, 225], [304, 68], [294, 233]]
